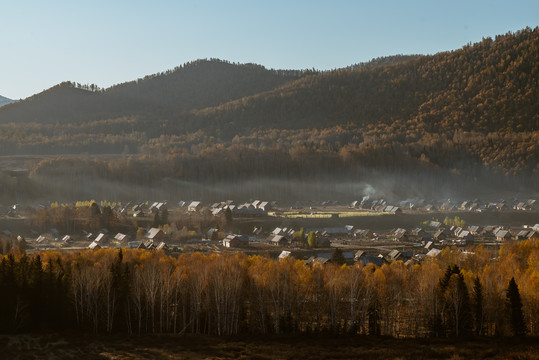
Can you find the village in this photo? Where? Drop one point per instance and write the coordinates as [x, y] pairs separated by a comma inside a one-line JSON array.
[[370, 231]]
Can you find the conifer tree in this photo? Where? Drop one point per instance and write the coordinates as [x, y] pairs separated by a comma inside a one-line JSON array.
[[514, 303], [337, 257], [156, 220], [478, 310]]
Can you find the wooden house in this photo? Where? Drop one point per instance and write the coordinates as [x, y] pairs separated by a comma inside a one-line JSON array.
[[155, 234]]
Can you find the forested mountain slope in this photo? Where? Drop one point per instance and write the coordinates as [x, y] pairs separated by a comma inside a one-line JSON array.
[[194, 85], [488, 86]]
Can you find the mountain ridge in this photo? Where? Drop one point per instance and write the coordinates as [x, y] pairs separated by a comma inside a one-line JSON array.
[[4, 101]]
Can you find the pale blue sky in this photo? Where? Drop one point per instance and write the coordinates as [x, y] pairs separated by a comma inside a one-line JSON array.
[[109, 42]]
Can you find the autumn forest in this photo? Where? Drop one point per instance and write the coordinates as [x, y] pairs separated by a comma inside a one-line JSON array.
[[481, 293]]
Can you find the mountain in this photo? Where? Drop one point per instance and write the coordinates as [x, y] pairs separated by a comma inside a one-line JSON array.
[[199, 84], [489, 86], [5, 101], [474, 108]]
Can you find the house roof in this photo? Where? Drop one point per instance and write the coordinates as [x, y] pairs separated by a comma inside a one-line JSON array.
[[161, 246], [278, 239], [152, 233], [370, 259], [434, 252], [359, 253], [284, 254], [100, 237], [120, 236]]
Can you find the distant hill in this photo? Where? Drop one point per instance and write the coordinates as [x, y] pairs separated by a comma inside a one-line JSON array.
[[5, 101], [195, 85]]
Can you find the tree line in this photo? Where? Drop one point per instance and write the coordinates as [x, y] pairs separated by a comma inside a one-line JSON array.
[[138, 291]]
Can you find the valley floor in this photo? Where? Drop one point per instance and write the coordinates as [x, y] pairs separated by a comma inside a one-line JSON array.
[[63, 346]]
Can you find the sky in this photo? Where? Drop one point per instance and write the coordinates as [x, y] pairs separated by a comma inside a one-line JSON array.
[[106, 42]]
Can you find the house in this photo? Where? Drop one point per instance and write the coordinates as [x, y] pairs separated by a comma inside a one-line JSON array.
[[369, 259], [94, 246], [212, 234], [429, 245], [359, 254], [434, 252], [233, 240], [395, 255], [522, 235], [439, 235], [134, 244], [41, 240], [148, 244], [155, 234], [474, 229], [349, 257], [120, 237], [278, 240], [366, 234], [322, 258], [284, 255], [340, 231], [501, 206], [410, 262], [503, 235], [194, 206], [435, 224], [400, 234], [392, 209], [447, 206], [465, 235], [265, 206], [420, 235], [161, 246], [101, 239]]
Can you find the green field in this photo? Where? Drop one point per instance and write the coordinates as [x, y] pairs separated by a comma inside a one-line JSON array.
[[325, 214]]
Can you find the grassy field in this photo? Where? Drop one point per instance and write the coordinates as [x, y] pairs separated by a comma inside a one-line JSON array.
[[54, 346], [324, 214]]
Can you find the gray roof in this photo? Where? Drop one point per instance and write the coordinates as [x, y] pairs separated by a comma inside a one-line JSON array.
[[152, 233]]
